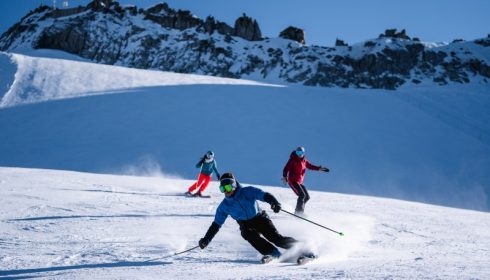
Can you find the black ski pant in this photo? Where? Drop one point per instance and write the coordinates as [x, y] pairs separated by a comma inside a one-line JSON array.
[[303, 196], [261, 224]]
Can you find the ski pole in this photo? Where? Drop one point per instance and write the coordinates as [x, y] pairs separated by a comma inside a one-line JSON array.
[[174, 254], [337, 232]]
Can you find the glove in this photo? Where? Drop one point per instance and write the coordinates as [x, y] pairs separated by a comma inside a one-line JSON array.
[[324, 169], [276, 207], [212, 230], [203, 243], [284, 180]]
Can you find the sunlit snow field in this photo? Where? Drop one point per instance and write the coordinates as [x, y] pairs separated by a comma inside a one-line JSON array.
[[428, 144], [60, 113], [69, 225]]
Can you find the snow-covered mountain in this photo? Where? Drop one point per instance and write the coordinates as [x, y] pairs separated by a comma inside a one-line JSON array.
[[429, 144], [161, 38], [70, 225]]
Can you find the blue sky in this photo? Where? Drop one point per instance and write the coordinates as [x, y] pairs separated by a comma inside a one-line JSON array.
[[323, 20]]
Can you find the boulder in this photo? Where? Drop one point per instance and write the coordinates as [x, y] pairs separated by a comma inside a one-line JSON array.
[[170, 18], [185, 19], [247, 28], [99, 4], [158, 8], [340, 43], [210, 25], [369, 44], [71, 39], [293, 33], [391, 33]]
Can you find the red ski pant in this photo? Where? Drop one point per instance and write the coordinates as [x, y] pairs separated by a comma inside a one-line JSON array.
[[202, 183]]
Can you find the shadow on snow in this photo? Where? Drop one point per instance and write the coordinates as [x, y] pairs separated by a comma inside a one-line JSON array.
[[82, 266], [107, 217]]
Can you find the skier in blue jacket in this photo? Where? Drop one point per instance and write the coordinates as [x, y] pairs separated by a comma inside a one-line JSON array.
[[208, 165], [241, 204]]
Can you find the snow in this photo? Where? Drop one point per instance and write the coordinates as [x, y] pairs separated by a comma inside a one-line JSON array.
[[71, 225], [62, 78], [7, 74], [148, 128], [428, 144]]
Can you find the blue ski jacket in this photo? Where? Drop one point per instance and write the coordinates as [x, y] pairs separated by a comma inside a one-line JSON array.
[[208, 168], [241, 206]]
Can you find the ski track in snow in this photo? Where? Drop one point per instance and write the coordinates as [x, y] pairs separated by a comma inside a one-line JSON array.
[[69, 225]]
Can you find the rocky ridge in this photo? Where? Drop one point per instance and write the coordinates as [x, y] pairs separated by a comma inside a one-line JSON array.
[[175, 40]]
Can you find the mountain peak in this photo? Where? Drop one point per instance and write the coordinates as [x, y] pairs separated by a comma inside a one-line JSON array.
[[162, 38]]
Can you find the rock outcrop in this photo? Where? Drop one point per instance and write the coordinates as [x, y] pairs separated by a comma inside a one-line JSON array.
[[391, 33], [247, 28], [340, 43], [162, 38], [293, 33]]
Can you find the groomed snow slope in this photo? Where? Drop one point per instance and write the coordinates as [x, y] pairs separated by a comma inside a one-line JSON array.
[[69, 225], [429, 144]]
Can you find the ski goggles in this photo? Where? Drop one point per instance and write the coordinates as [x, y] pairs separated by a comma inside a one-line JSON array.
[[226, 188], [300, 153], [227, 185]]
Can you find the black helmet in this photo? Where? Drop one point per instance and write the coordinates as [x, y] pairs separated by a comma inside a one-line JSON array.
[[227, 179]]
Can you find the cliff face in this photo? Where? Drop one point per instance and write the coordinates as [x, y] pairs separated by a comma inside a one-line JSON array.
[[165, 39]]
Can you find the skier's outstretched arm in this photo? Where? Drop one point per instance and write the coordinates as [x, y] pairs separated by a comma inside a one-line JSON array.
[[219, 220], [275, 205], [315, 167], [212, 230]]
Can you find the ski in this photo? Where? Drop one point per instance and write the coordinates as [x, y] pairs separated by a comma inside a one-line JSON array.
[[198, 196], [304, 259], [267, 259]]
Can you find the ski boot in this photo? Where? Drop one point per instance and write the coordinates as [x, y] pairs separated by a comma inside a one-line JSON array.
[[300, 214], [306, 258], [198, 194], [273, 256]]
